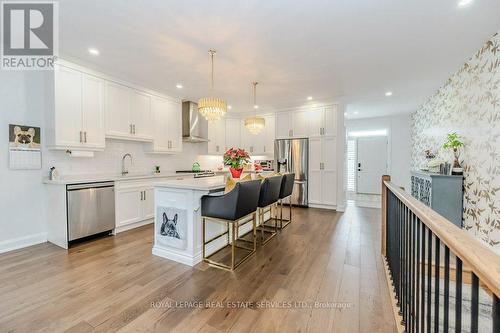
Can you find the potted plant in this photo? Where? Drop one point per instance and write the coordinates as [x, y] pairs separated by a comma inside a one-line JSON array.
[[454, 143], [235, 157]]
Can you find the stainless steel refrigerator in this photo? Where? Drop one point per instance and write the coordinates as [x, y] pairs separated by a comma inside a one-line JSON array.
[[292, 156]]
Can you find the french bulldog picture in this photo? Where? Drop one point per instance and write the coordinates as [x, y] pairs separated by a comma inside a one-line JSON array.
[[24, 137], [169, 227]]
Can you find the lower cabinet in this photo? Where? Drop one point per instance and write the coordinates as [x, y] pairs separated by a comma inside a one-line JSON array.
[[134, 203]]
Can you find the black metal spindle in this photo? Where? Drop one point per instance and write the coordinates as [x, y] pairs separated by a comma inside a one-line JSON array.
[[407, 249], [446, 303], [429, 279], [496, 314], [417, 278], [412, 295], [436, 285], [458, 297], [403, 272], [422, 281], [474, 311]]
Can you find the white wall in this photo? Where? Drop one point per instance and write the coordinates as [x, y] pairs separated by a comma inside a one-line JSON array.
[[21, 205], [23, 99], [398, 129]]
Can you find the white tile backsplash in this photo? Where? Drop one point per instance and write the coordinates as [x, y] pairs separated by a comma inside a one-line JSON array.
[[110, 160]]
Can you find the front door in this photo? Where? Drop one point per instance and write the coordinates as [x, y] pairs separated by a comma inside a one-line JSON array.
[[371, 163]]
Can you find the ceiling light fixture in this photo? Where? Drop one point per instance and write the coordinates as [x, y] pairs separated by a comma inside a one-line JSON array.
[[309, 98], [212, 108], [255, 124], [179, 86], [356, 112], [229, 107], [464, 3], [389, 93], [94, 51]]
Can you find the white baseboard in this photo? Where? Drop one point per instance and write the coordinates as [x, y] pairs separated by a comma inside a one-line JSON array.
[[323, 206], [368, 204], [25, 241], [132, 226]]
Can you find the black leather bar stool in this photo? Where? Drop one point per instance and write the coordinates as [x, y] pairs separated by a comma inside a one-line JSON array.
[[286, 192], [269, 196], [231, 208]]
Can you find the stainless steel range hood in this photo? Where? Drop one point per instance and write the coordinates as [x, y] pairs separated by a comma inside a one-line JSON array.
[[194, 126]]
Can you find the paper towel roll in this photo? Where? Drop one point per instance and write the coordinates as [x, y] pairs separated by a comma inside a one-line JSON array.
[[80, 153]]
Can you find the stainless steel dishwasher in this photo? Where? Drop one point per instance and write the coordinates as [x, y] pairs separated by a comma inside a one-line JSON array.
[[91, 209]]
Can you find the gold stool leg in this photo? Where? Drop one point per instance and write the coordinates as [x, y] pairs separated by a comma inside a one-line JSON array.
[[254, 218], [232, 247], [203, 232]]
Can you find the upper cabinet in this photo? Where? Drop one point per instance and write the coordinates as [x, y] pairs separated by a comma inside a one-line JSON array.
[[262, 143], [314, 122], [78, 118], [167, 125], [217, 137], [284, 125], [233, 133], [128, 113], [89, 107]]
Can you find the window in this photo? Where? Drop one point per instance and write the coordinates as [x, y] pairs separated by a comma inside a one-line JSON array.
[[351, 165]]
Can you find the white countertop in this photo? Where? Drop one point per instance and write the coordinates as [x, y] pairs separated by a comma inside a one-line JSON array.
[[80, 179], [204, 184]]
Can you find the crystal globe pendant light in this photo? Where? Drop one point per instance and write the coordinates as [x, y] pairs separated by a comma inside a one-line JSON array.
[[212, 108], [255, 124]]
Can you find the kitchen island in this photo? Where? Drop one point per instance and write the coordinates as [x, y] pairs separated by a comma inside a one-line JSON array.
[[177, 225]]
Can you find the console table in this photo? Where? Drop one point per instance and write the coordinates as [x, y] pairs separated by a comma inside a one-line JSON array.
[[443, 193]]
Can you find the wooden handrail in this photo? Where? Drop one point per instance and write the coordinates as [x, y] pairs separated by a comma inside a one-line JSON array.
[[482, 261]]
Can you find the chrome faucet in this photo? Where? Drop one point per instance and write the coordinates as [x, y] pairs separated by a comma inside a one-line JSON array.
[[125, 171]]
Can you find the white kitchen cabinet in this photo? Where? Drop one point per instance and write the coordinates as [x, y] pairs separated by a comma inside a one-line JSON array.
[[323, 121], [148, 203], [167, 125], [252, 143], [128, 206], [175, 126], [118, 124], [233, 133], [322, 171], [217, 137], [140, 114], [283, 125], [330, 120], [93, 111], [78, 118], [316, 121], [300, 124], [270, 135], [134, 203], [128, 113]]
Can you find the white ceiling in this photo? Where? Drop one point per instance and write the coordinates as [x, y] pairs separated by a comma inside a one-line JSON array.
[[349, 51]]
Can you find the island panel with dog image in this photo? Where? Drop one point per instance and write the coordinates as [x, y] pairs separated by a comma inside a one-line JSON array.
[[172, 230]]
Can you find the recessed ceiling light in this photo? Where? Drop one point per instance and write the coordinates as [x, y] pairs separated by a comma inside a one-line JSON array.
[[464, 3], [229, 107], [255, 106], [345, 113], [179, 86], [94, 51], [389, 93], [309, 98], [356, 112]]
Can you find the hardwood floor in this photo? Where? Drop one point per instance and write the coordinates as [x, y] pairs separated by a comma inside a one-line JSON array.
[[116, 284]]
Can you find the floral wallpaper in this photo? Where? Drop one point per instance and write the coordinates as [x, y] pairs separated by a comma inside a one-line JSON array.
[[469, 104]]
